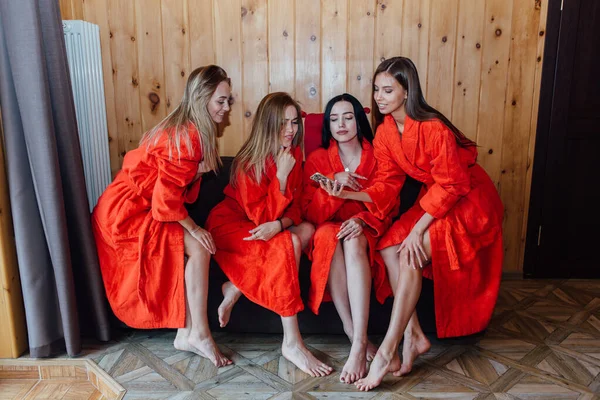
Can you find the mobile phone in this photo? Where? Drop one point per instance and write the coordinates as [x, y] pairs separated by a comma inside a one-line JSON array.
[[319, 177]]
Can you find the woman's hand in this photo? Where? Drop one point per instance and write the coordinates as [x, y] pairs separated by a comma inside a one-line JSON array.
[[265, 231], [205, 239], [417, 257], [333, 188], [349, 179], [350, 229], [285, 163]]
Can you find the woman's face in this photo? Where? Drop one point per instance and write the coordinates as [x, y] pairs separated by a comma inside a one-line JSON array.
[[342, 122], [389, 95], [218, 105], [290, 127]]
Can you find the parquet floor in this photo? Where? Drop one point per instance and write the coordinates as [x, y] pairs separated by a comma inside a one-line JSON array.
[[543, 343]]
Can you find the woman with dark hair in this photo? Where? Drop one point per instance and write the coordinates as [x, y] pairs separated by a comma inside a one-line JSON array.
[[453, 234], [153, 257], [343, 248], [258, 228]]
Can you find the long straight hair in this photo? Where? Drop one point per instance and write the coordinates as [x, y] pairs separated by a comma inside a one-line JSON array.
[[200, 87], [264, 136], [405, 72], [364, 131]]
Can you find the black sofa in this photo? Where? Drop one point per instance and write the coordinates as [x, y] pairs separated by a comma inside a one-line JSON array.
[[249, 317]]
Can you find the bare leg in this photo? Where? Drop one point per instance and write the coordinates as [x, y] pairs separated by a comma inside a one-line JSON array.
[[304, 231], [293, 348], [415, 341], [196, 336], [359, 288], [231, 294], [407, 293]]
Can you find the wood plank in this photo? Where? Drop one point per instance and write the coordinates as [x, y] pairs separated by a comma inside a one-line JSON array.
[[361, 37], [415, 36], [255, 58], [179, 380], [125, 74], [494, 71], [533, 128], [150, 53], [440, 66], [13, 334], [96, 11], [517, 127], [202, 41], [66, 9], [388, 30], [308, 55], [176, 50], [228, 49], [77, 7], [467, 76], [281, 46], [334, 19]]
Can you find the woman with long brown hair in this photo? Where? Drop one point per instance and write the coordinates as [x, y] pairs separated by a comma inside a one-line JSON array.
[[258, 228], [453, 234], [143, 231]]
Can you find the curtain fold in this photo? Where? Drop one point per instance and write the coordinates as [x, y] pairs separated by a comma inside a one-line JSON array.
[[58, 265]]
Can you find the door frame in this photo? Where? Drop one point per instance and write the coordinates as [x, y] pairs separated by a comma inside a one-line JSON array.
[[544, 124]]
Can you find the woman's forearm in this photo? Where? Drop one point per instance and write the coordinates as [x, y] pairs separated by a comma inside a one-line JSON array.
[[423, 223], [189, 224], [358, 196]]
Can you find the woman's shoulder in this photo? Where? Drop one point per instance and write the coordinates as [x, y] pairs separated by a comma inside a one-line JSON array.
[[317, 155]]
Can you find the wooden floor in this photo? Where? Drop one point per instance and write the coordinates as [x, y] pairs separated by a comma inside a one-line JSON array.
[[543, 343]]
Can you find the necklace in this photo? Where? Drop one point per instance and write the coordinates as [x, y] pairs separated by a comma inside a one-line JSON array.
[[347, 166]]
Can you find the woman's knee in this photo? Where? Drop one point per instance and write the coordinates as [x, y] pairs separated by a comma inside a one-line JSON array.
[[356, 247], [296, 242]]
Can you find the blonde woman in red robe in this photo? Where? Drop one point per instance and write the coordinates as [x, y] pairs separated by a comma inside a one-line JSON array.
[[258, 228], [343, 251], [143, 230], [453, 234]]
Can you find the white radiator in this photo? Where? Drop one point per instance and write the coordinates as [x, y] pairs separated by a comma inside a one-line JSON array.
[[82, 40]]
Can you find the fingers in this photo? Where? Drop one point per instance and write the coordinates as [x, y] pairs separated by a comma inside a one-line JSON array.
[[207, 242], [354, 175], [402, 246]]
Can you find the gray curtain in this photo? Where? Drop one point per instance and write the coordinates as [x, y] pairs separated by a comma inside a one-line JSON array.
[[58, 265]]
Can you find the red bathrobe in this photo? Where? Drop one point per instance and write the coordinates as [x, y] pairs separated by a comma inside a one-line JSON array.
[[327, 214], [139, 241], [265, 272], [466, 235]]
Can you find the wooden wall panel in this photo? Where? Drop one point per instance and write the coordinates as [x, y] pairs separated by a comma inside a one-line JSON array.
[[467, 74], [281, 46], [123, 47], [474, 58], [388, 35], [152, 86], [415, 36], [228, 47], [494, 68], [361, 24], [201, 21], [442, 47], [334, 21], [176, 50], [96, 11], [255, 57], [517, 123], [308, 55]]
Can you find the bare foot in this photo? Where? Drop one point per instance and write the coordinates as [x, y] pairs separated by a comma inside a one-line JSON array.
[[231, 295], [303, 359], [371, 351], [356, 366], [381, 365], [412, 347], [203, 346]]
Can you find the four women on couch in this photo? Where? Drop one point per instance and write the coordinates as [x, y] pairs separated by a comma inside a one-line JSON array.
[[451, 235]]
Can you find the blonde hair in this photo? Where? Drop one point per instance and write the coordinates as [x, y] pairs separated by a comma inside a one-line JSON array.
[[200, 87], [264, 135]]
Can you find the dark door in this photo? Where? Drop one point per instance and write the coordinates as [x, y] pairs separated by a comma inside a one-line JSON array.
[[563, 238]]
